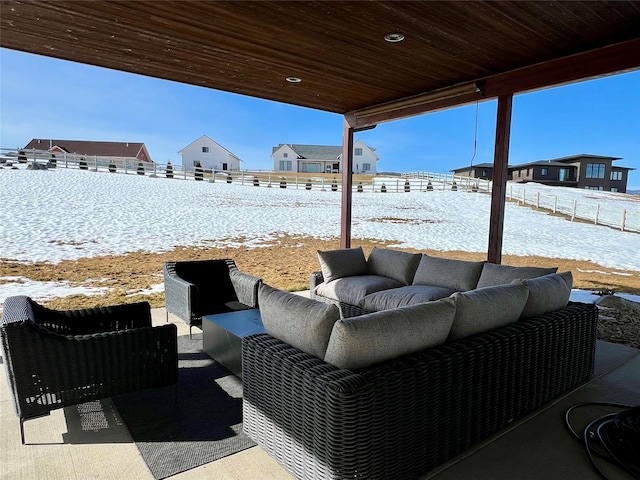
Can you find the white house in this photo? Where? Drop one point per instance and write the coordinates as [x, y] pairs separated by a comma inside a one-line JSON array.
[[210, 154], [323, 158]]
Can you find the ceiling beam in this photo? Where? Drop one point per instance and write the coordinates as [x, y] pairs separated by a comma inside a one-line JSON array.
[[613, 59]]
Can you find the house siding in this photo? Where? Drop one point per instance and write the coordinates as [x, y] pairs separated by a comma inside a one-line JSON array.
[[216, 158]]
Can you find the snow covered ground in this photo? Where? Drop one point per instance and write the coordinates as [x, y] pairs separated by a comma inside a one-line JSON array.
[[57, 214]]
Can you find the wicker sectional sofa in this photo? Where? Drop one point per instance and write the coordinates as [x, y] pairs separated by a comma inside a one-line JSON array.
[[394, 393]]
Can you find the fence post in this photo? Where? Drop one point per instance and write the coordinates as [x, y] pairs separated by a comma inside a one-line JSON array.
[[575, 205], [624, 219], [555, 203], [597, 214], [538, 201]]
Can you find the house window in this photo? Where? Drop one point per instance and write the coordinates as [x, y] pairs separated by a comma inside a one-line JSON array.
[[544, 172], [485, 173], [614, 189], [285, 155], [285, 165], [593, 188], [595, 170], [205, 149], [563, 175], [357, 152], [366, 167], [616, 175]]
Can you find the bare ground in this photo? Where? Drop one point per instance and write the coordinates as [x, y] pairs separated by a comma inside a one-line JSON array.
[[287, 264]]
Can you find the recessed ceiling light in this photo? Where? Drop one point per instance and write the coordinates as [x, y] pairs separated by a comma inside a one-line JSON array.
[[394, 37], [294, 79]]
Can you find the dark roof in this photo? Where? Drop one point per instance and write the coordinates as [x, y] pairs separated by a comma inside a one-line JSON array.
[[316, 152], [337, 48], [468, 167], [573, 158], [85, 147]]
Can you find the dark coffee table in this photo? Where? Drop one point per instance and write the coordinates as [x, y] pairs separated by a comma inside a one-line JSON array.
[[222, 336]]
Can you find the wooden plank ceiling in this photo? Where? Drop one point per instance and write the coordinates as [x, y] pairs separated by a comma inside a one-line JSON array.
[[336, 48]]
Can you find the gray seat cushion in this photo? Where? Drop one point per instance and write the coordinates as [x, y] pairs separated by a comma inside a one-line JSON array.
[[299, 321], [358, 342], [403, 296], [394, 264], [458, 275], [352, 290], [494, 274]]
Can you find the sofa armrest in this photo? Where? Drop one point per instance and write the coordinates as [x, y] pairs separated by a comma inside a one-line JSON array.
[[245, 285], [181, 297], [83, 321], [315, 279]]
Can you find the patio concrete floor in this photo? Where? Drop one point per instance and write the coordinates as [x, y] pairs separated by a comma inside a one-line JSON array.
[[533, 448]]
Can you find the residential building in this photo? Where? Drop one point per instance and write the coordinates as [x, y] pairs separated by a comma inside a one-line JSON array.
[[210, 155], [595, 172], [482, 170], [130, 151], [323, 158]]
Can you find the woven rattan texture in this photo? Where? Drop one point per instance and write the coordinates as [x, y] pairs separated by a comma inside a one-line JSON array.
[[183, 298], [49, 370], [402, 418]]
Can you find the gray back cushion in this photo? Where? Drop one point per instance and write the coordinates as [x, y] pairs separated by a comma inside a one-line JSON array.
[[547, 293], [458, 275], [358, 342], [394, 264], [487, 308], [493, 274], [301, 322], [346, 262]]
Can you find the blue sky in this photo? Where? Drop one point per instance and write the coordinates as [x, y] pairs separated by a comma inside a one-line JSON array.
[[42, 97]]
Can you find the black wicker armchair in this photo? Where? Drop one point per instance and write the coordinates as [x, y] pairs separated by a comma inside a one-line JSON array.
[[57, 358], [196, 288]]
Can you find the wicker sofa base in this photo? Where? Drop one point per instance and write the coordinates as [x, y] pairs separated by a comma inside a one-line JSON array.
[[402, 418]]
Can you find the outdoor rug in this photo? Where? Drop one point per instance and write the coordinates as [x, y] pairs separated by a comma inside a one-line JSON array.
[[205, 424]]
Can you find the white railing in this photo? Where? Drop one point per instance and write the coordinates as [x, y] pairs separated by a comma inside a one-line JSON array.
[[603, 213], [612, 214]]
